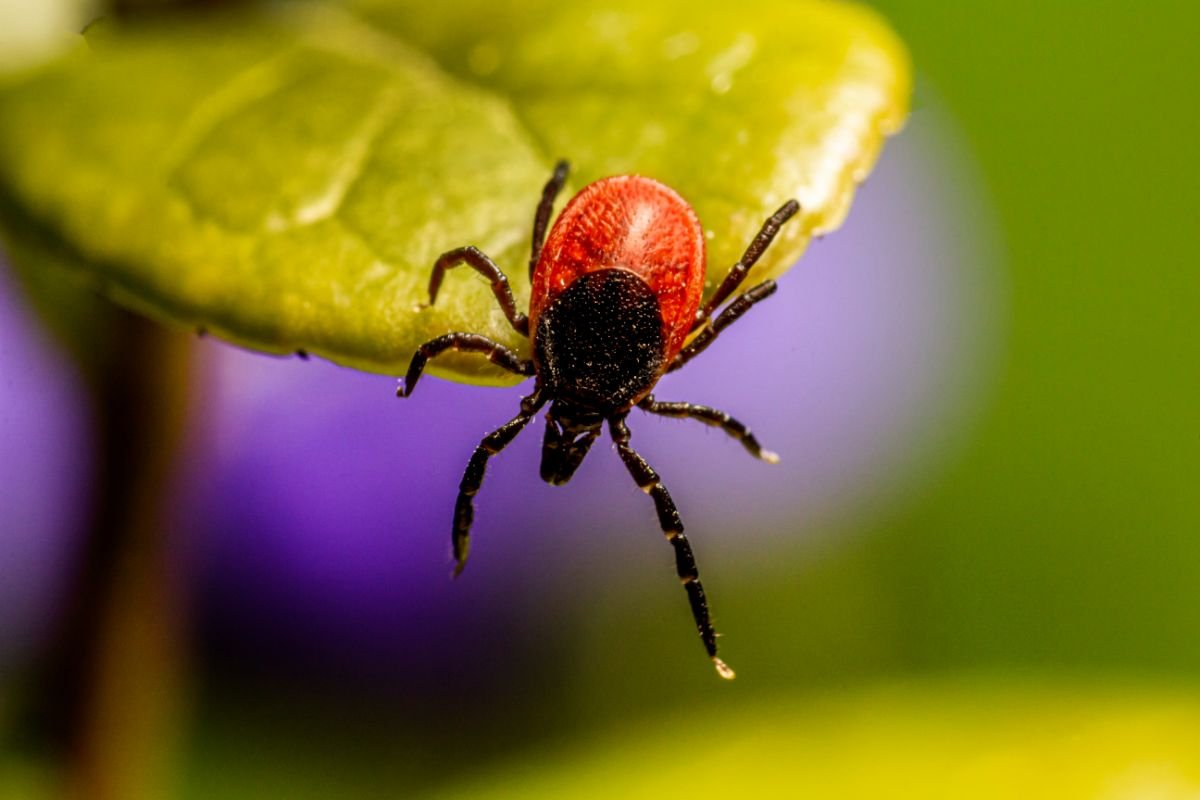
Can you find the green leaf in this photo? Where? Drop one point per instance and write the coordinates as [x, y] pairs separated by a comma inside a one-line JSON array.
[[978, 740], [285, 178]]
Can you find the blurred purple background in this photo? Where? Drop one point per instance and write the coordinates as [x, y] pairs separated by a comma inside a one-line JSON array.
[[45, 458]]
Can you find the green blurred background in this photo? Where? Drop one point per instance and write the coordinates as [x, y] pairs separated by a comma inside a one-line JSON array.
[[1066, 536], [1023, 620]]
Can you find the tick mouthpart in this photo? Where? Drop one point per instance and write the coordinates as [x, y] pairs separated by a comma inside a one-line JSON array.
[[570, 432]]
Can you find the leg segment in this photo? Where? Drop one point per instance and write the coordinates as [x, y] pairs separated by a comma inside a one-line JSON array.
[[474, 258], [668, 517], [757, 247], [714, 418], [732, 312], [493, 443], [542, 218], [497, 353]]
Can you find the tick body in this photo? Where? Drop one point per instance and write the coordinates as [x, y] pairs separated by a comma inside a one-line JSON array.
[[616, 295]]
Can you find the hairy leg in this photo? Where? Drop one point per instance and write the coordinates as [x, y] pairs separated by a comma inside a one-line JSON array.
[[541, 219], [714, 418], [475, 258], [727, 317], [757, 247], [672, 527], [493, 443], [497, 353]]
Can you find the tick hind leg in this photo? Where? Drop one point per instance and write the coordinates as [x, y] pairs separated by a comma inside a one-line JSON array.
[[714, 418], [497, 353], [493, 443], [672, 527]]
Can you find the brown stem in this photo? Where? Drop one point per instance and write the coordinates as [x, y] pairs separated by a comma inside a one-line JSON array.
[[111, 696]]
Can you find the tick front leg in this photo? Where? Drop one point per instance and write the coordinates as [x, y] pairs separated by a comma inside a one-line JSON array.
[[474, 258], [757, 247], [497, 353], [541, 219], [493, 443], [713, 418], [726, 318], [672, 527]]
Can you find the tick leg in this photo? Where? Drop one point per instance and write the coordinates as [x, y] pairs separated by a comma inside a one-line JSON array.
[[713, 418], [475, 258], [727, 317], [497, 353], [757, 247], [493, 443], [668, 518], [542, 218]]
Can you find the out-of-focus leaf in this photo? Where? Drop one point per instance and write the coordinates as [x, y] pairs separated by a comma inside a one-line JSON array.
[[33, 30], [285, 178], [984, 742]]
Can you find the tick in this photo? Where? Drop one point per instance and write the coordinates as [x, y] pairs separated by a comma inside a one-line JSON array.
[[615, 306]]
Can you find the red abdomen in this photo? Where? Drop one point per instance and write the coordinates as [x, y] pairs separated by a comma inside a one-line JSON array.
[[633, 223]]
